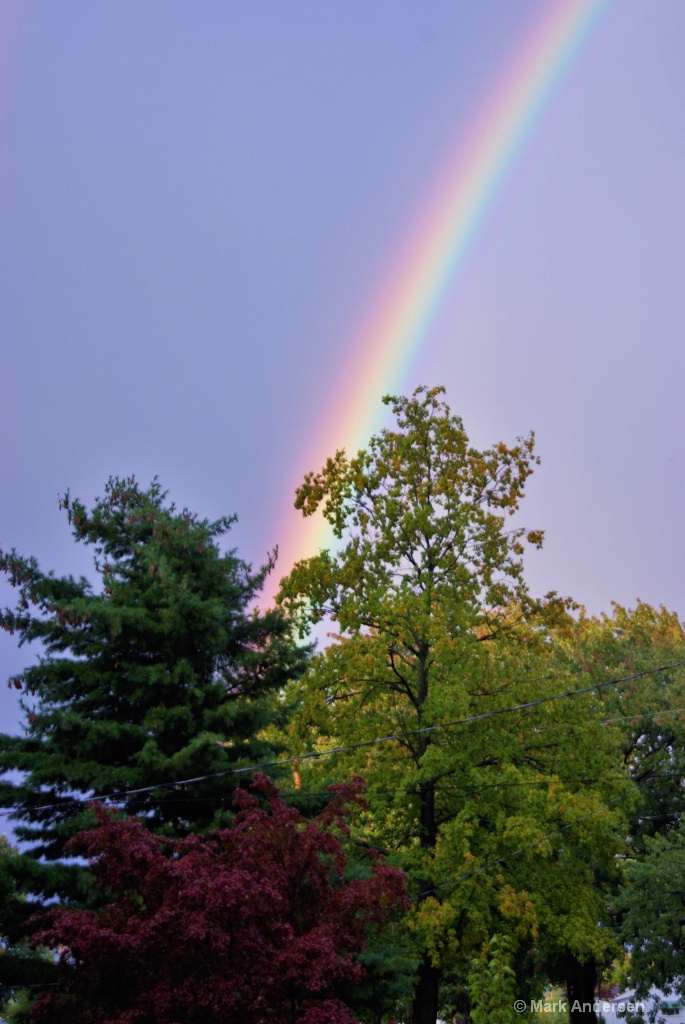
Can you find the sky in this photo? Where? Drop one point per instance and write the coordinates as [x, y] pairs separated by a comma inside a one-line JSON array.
[[202, 205]]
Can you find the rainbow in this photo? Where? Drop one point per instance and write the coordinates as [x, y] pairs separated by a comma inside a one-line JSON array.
[[406, 306]]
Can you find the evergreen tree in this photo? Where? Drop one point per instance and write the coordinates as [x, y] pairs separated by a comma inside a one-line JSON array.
[[159, 674], [19, 965]]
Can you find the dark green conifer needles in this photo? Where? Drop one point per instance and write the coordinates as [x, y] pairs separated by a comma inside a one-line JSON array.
[[161, 672]]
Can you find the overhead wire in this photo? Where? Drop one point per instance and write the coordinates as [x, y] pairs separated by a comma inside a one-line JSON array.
[[466, 791], [316, 755]]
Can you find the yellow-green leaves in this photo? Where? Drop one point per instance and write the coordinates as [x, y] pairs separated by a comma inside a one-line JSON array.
[[421, 514]]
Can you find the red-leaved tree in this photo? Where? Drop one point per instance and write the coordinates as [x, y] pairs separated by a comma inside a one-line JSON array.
[[251, 924]]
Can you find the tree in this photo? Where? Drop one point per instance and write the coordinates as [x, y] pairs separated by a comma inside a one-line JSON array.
[[158, 674], [435, 624], [492, 984], [646, 647], [654, 914], [254, 923], [18, 965], [648, 644]]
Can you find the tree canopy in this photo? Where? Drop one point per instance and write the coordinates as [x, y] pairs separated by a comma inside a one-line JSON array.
[[257, 922], [524, 760], [436, 625], [653, 905], [157, 673]]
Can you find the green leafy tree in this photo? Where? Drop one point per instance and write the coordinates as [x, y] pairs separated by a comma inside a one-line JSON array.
[[533, 819], [646, 647], [654, 914], [435, 624], [648, 710], [492, 984], [158, 673]]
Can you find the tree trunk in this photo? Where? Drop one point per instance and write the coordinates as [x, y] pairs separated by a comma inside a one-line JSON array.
[[425, 1005], [581, 985], [429, 828]]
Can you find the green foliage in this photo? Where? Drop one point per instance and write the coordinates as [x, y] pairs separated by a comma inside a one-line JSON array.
[[654, 913], [390, 966], [17, 1009], [159, 672], [509, 824], [648, 711], [435, 624], [492, 984], [424, 514], [644, 716], [18, 964], [554, 1009]]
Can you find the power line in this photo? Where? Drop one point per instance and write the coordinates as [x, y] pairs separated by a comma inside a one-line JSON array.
[[647, 714], [396, 737], [371, 790]]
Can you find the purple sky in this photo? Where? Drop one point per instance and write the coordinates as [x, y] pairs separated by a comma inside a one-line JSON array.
[[198, 202]]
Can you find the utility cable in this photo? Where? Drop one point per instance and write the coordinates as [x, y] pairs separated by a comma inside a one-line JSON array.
[[396, 737]]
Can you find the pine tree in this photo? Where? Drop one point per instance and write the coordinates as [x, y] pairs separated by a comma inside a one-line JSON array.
[[159, 674]]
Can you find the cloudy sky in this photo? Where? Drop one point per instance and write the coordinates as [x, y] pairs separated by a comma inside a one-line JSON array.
[[201, 202]]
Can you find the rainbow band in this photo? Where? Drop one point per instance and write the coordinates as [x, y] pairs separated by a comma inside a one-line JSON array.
[[406, 308]]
